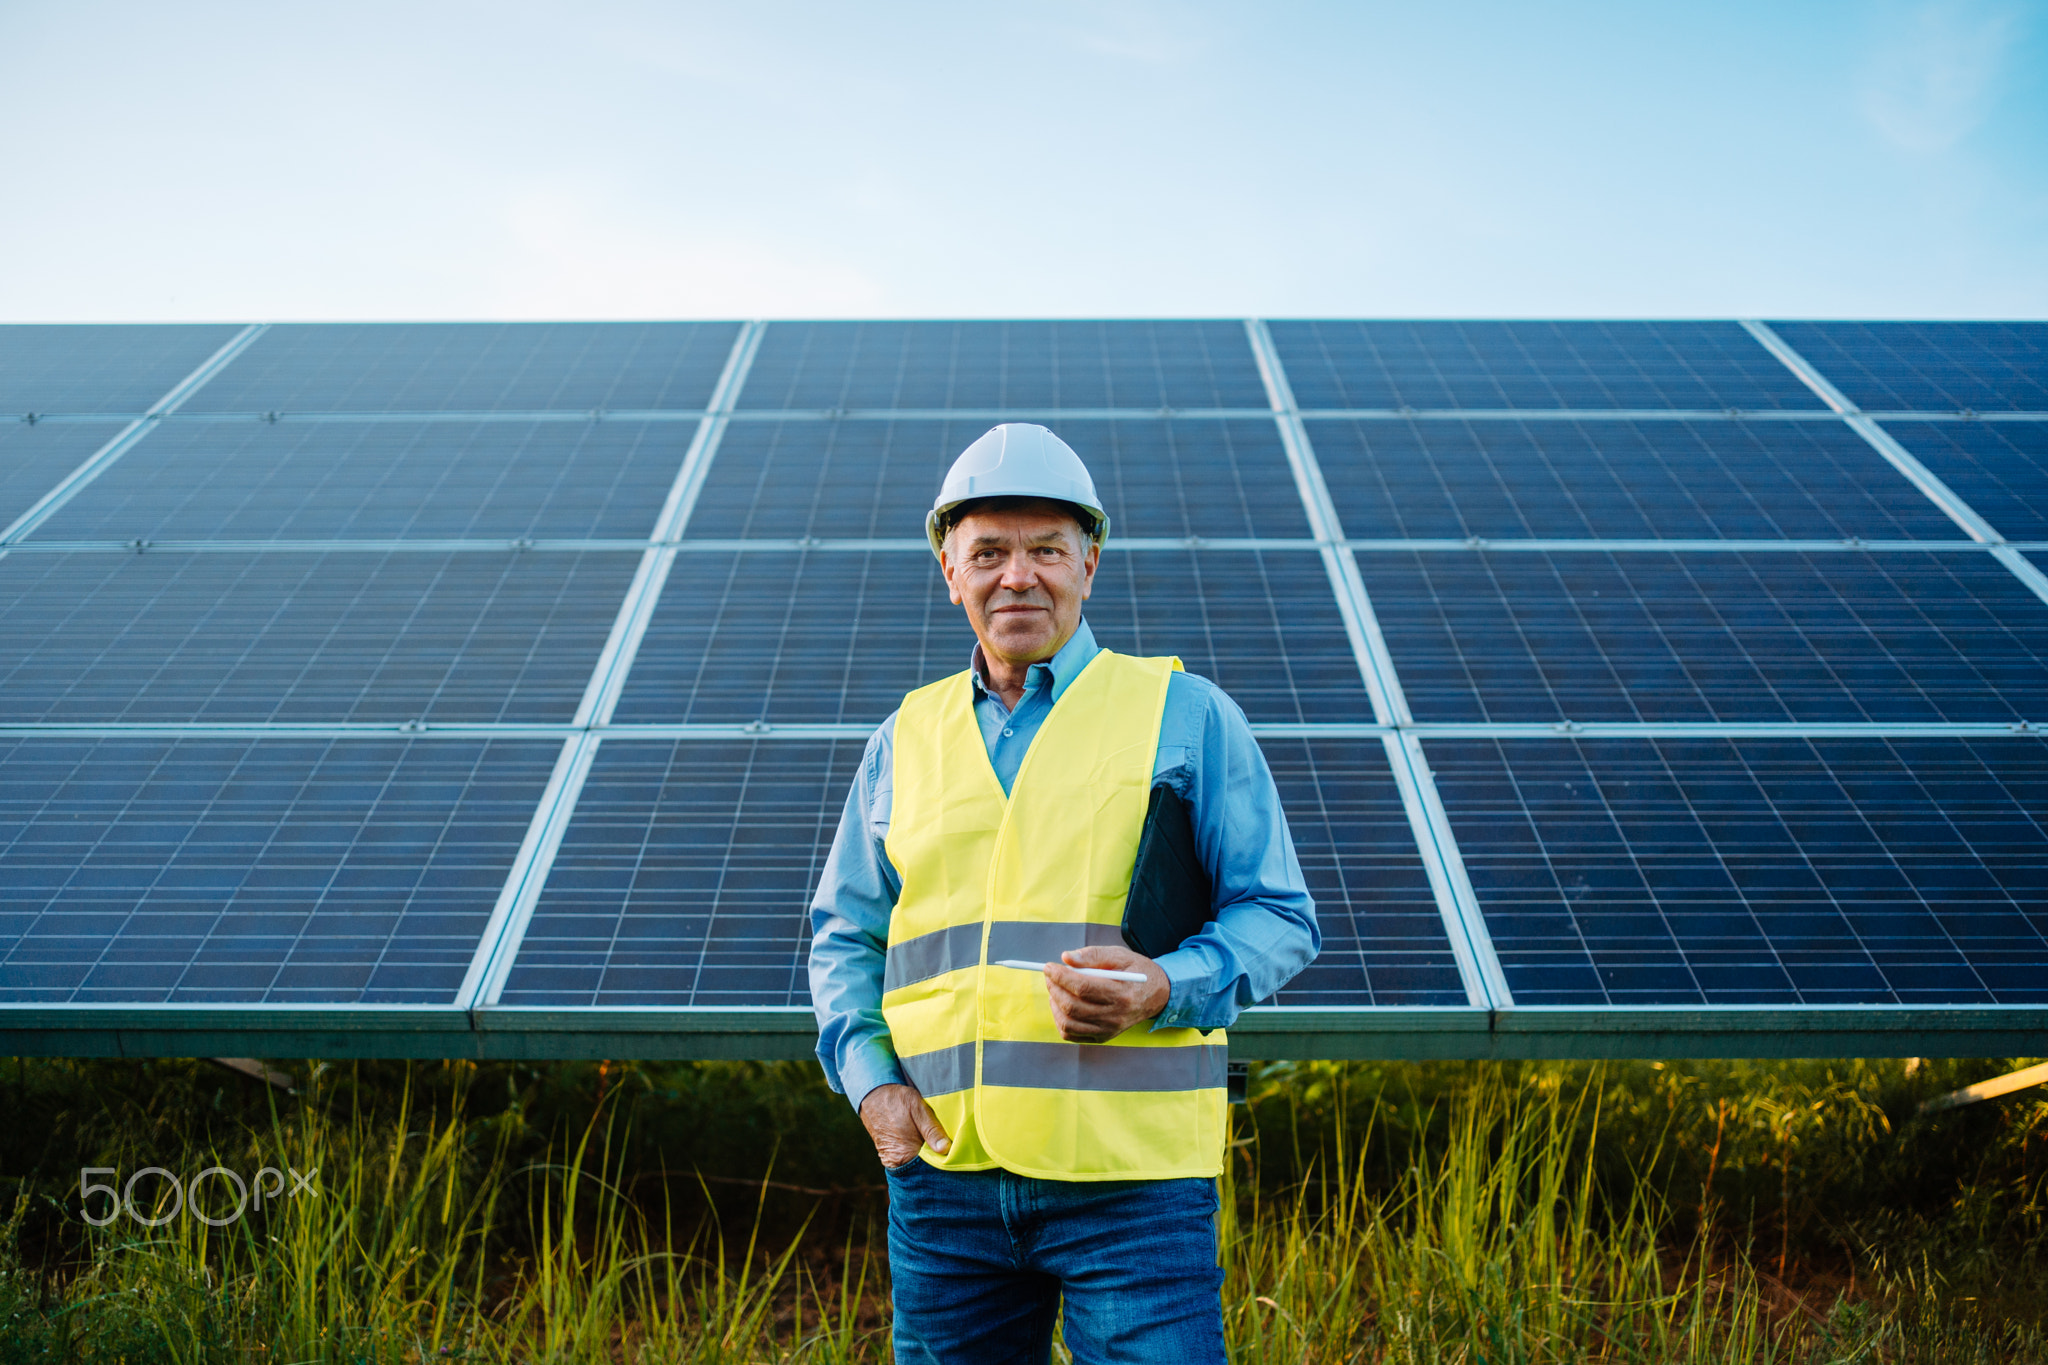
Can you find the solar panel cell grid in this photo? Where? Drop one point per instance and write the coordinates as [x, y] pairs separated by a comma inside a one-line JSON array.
[[111, 369], [1004, 365], [1383, 938], [1929, 366], [217, 636], [833, 637], [1711, 637], [862, 479], [474, 367], [1801, 872], [382, 480], [1999, 468], [1619, 872], [1686, 365], [1671, 480], [685, 876], [34, 459], [280, 871]]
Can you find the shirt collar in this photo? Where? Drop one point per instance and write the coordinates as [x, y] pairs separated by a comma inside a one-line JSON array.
[[1064, 666]]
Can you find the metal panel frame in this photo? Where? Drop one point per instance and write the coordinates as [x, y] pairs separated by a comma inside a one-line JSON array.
[[1066, 414], [1139, 544]]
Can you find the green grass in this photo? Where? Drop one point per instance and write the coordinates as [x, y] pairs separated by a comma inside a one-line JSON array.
[[715, 1213]]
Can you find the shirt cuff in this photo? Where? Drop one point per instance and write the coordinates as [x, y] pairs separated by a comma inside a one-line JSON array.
[[867, 1067], [1192, 984]]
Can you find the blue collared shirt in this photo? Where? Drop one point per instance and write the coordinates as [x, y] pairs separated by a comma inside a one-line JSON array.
[[1263, 928]]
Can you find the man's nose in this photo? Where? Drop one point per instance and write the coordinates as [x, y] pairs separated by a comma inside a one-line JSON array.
[[1019, 573]]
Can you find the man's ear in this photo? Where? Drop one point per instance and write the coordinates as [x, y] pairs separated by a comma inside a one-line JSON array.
[[946, 570], [1088, 563]]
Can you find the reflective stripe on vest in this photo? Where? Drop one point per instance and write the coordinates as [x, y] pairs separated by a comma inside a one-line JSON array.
[[987, 877]]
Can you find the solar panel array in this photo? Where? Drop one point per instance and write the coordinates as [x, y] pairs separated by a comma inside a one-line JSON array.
[[518, 672]]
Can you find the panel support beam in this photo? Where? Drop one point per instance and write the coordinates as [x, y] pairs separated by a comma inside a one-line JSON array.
[[1262, 1032], [1903, 460], [1479, 969], [126, 439], [506, 929], [2023, 1079]]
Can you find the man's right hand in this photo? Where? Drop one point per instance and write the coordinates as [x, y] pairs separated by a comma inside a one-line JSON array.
[[901, 1122]]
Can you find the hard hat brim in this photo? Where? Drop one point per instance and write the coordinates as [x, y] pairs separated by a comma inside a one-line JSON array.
[[940, 519]]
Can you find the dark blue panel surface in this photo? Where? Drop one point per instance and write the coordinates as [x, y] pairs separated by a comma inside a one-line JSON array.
[[1929, 366], [34, 459], [1690, 365], [1999, 468], [1216, 479], [831, 636], [686, 875], [95, 368], [1726, 872], [1383, 936], [473, 367], [377, 480], [1004, 365], [1749, 637], [277, 871], [304, 637], [1688, 480]]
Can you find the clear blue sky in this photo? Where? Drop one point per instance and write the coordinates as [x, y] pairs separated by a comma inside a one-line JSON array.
[[628, 160]]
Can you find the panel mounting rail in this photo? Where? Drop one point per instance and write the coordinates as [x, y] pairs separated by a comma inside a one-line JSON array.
[[1901, 459], [488, 969], [1479, 969], [126, 439]]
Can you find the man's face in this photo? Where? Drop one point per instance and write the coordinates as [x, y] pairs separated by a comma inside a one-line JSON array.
[[1022, 572]]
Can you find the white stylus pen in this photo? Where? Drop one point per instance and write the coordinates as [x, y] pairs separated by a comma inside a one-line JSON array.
[[1105, 973]]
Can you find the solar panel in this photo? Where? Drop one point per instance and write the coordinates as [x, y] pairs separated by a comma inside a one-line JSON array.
[[34, 458], [1930, 366], [1004, 365], [820, 637], [1815, 782], [213, 480], [1383, 938], [1999, 468], [473, 367], [274, 871], [860, 479], [1612, 479], [1781, 637], [353, 636], [1748, 871], [1492, 365], [113, 369], [685, 877]]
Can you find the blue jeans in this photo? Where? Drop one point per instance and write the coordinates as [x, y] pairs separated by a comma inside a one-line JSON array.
[[980, 1260]]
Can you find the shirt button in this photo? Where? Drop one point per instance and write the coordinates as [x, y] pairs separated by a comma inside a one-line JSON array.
[[1009, 732]]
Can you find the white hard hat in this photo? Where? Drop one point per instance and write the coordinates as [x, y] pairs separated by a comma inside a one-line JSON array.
[[1016, 460]]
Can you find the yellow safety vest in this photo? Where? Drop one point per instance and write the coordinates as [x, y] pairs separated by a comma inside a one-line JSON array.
[[1030, 875]]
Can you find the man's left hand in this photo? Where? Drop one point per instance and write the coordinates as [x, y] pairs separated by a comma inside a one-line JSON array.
[[1092, 1009]]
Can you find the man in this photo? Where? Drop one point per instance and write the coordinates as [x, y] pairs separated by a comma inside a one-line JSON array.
[[1049, 1134]]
